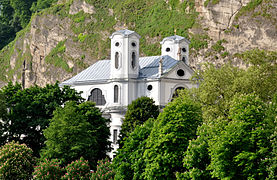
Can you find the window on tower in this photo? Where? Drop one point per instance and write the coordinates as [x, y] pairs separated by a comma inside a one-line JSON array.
[[133, 63], [116, 63], [116, 93], [97, 97]]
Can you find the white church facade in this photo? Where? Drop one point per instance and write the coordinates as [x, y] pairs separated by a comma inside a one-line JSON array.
[[115, 83]]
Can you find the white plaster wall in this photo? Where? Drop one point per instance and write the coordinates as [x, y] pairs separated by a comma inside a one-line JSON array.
[[174, 49], [116, 122], [173, 72], [125, 50]]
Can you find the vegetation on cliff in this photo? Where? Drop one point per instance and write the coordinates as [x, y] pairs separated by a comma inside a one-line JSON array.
[[83, 27]]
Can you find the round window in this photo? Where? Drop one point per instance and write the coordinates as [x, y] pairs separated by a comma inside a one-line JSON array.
[[181, 72], [134, 44], [184, 49], [167, 49], [149, 87], [117, 44]]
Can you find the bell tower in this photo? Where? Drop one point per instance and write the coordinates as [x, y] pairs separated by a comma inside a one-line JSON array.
[[124, 54], [177, 47]]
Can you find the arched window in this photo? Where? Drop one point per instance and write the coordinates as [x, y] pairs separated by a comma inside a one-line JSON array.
[[116, 63], [176, 92], [133, 60], [116, 93], [97, 97]]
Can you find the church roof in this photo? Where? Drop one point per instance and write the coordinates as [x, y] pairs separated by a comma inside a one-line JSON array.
[[100, 71], [175, 39], [125, 33]]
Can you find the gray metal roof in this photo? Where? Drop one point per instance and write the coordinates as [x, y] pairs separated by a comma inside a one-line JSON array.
[[125, 33], [100, 71], [175, 38]]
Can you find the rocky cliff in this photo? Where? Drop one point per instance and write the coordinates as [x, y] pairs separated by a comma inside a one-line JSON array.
[[71, 35]]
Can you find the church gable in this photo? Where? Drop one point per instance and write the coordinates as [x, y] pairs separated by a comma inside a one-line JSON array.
[[179, 71]]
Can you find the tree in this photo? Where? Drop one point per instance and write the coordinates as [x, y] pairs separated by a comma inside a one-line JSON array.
[[42, 4], [137, 113], [196, 160], [238, 151], [128, 162], [77, 131], [216, 94], [170, 136], [22, 11], [16, 161], [272, 162], [29, 111]]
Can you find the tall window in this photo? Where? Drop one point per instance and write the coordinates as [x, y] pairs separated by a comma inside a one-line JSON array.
[[97, 97], [116, 60], [133, 60], [116, 93], [115, 136]]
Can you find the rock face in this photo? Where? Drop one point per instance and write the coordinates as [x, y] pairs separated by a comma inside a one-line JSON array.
[[253, 29], [230, 26]]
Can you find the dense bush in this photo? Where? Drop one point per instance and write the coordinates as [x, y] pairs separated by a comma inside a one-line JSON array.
[[104, 171], [16, 161], [78, 169], [48, 170]]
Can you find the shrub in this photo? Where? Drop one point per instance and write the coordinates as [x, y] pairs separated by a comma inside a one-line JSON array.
[[104, 170], [48, 169], [78, 169], [16, 161]]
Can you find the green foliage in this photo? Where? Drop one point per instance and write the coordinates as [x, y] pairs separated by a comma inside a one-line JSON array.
[[196, 160], [82, 37], [22, 11], [128, 162], [42, 4], [55, 57], [170, 136], [239, 149], [77, 131], [78, 169], [248, 8], [272, 166], [139, 111], [16, 161], [218, 47], [104, 171], [30, 110], [48, 170], [260, 77], [234, 138], [206, 3]]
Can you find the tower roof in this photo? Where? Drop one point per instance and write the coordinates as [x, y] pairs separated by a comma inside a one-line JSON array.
[[175, 39], [125, 33]]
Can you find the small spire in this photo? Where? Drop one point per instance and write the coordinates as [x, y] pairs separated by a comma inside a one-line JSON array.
[[179, 54], [161, 66]]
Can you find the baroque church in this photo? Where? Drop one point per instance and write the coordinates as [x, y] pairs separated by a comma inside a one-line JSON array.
[[115, 83]]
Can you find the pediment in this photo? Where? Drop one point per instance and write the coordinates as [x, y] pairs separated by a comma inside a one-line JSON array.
[[179, 71]]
